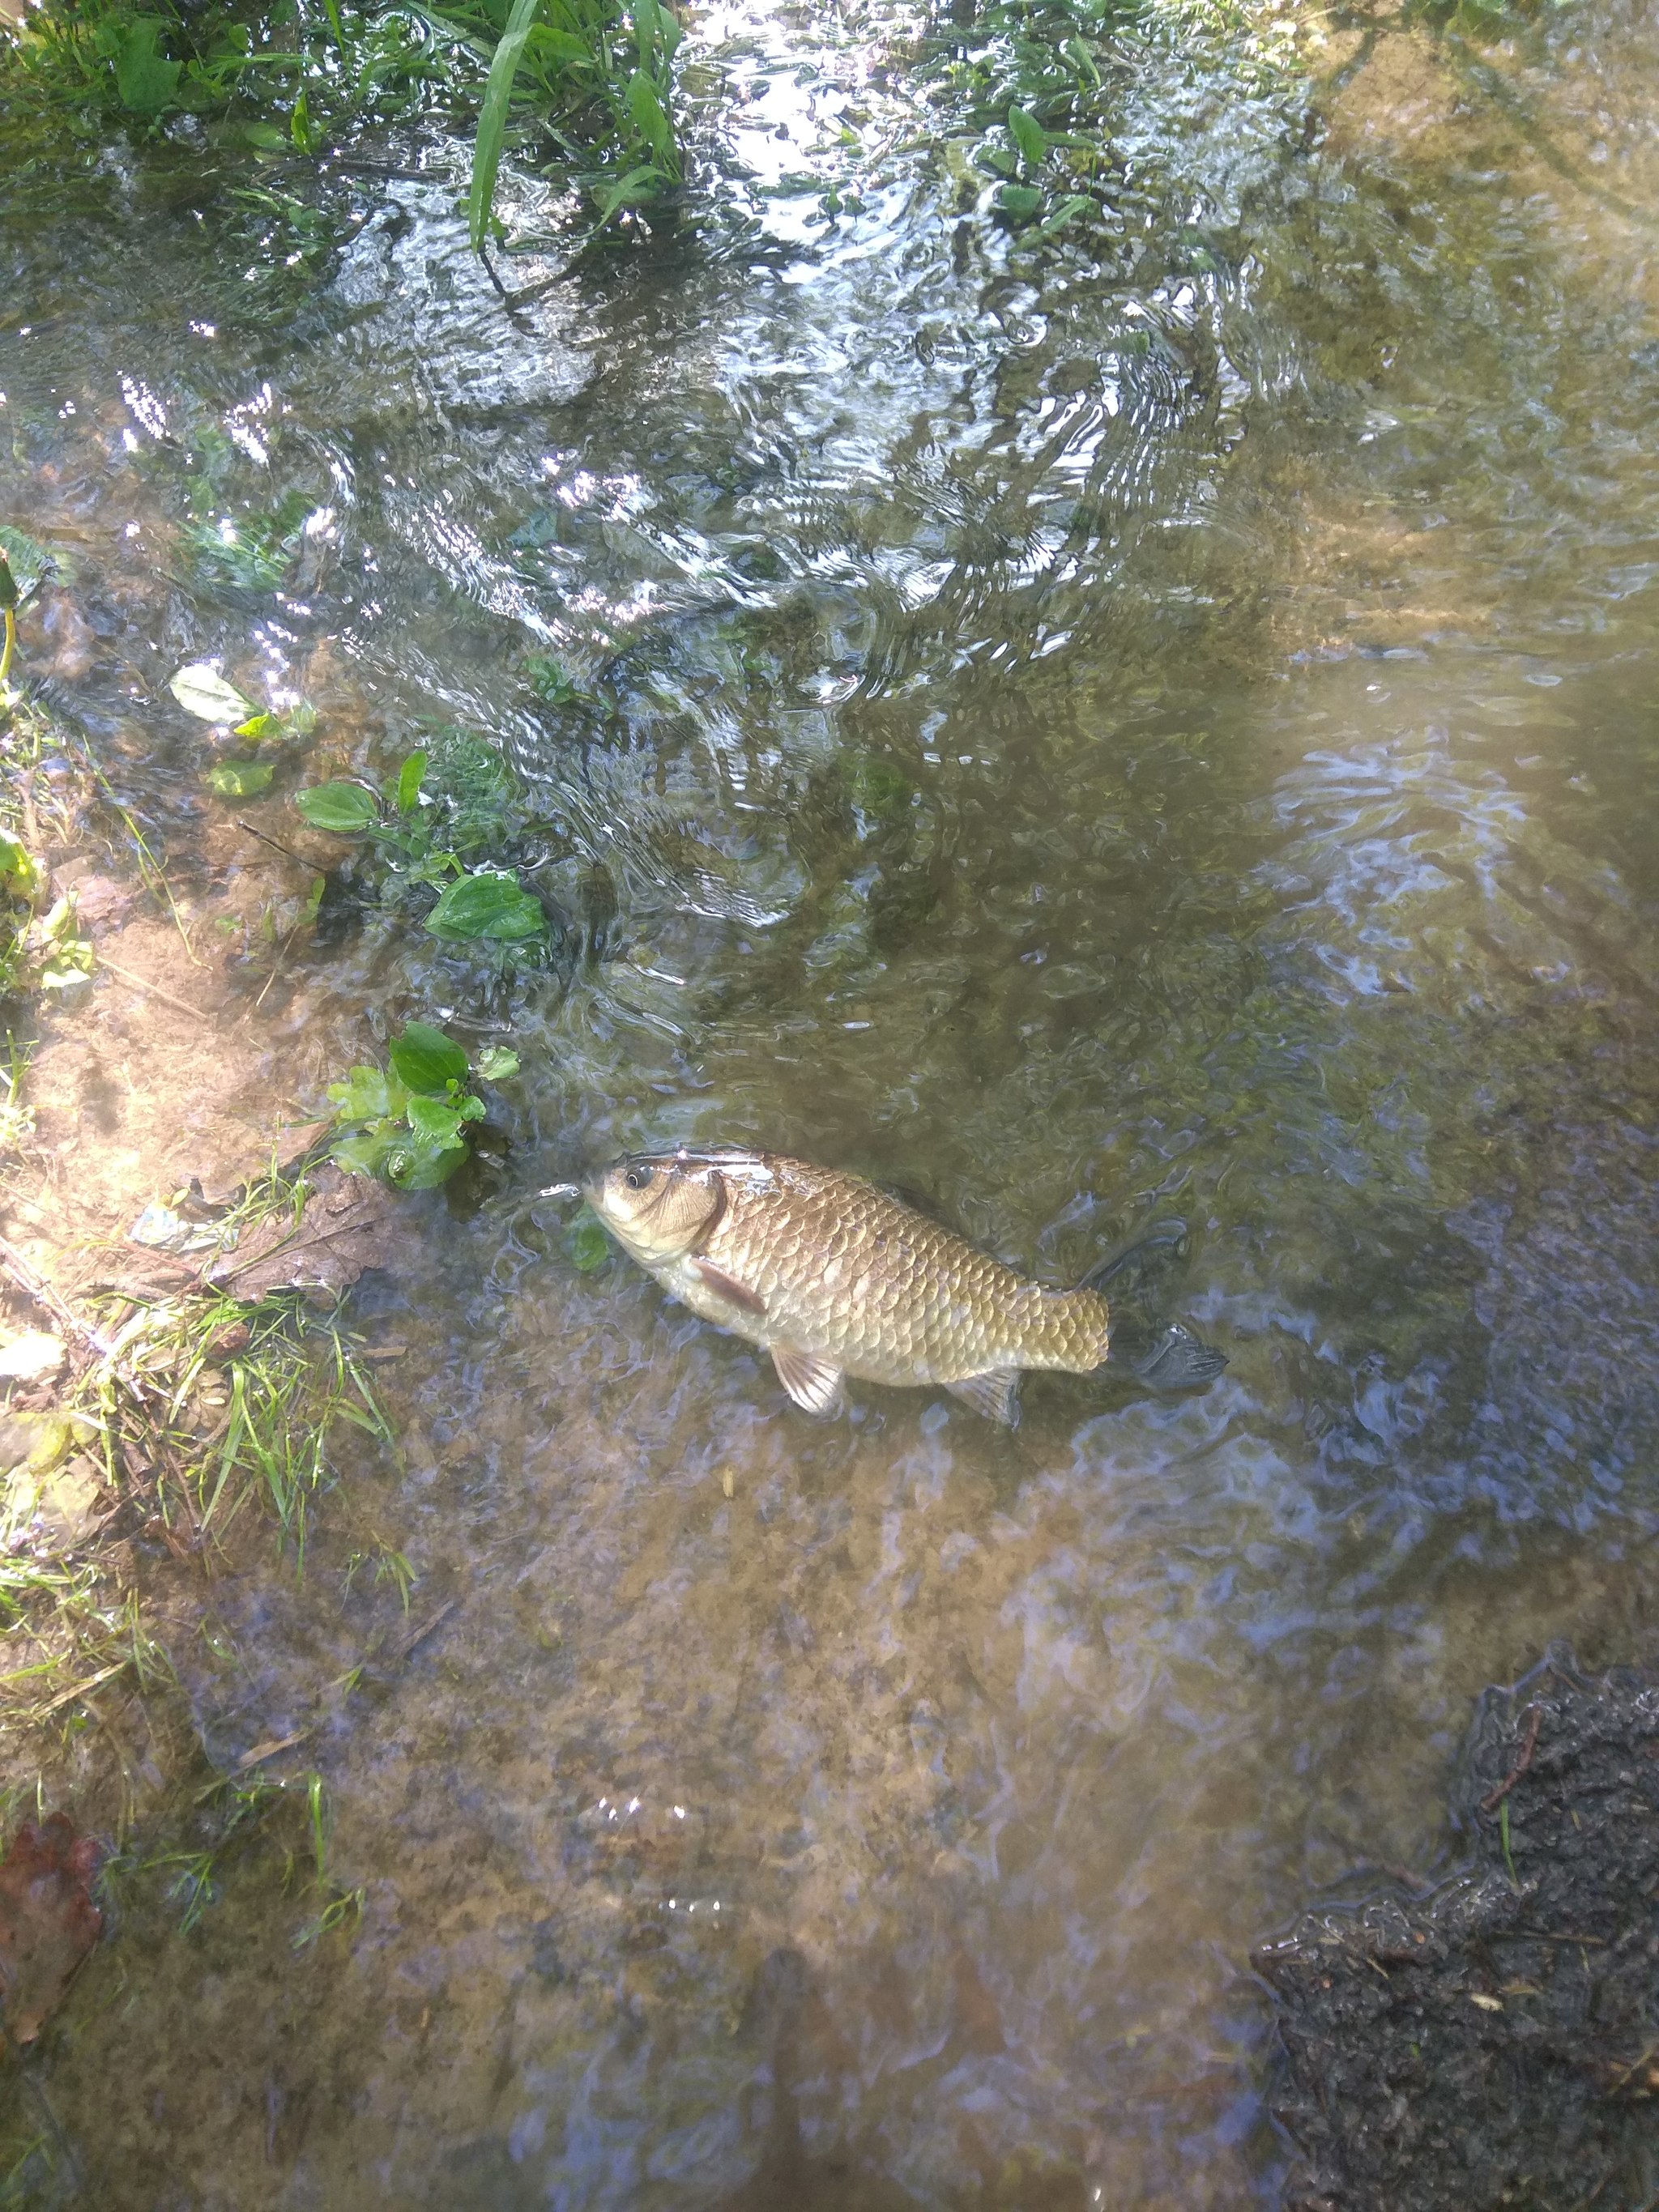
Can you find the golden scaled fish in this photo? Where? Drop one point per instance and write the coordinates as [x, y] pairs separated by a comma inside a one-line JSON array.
[[834, 1277]]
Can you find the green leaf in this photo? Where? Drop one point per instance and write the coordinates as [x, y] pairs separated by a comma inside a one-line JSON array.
[[367, 1095], [147, 81], [240, 779], [492, 120], [408, 782], [432, 1118], [19, 876], [649, 119], [424, 1059], [28, 558], [422, 1164], [260, 726], [587, 1243], [1020, 201], [201, 690], [487, 906], [1028, 134], [1070, 208], [496, 1063], [367, 1154], [344, 808]]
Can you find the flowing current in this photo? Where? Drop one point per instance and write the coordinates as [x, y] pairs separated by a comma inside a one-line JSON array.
[[1158, 722]]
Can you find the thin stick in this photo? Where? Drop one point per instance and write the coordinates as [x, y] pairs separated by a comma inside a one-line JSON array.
[[271, 841], [79, 1690], [1493, 1798], [153, 990]]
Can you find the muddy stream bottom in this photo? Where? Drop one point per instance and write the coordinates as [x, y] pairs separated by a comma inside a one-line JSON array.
[[1152, 722]]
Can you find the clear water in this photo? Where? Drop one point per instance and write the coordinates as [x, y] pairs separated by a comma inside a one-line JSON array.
[[1083, 738]]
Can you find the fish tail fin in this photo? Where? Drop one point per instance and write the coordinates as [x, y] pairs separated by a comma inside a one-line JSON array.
[[1167, 1355]]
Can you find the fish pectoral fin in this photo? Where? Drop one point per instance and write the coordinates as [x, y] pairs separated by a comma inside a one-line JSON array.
[[814, 1384], [996, 1393], [726, 1287]]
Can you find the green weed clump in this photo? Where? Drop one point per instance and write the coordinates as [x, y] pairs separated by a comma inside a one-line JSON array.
[[587, 84], [447, 823], [408, 1123]]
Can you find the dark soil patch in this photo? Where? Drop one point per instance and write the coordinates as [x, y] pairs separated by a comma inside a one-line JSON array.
[[1497, 2042]]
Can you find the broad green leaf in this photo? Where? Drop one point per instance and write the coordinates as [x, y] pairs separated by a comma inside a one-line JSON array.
[[492, 119], [496, 1062], [424, 1059], [202, 691], [19, 876], [367, 1095], [408, 782], [491, 907], [418, 1163], [260, 726], [432, 1120], [344, 808], [366, 1153], [1020, 201], [240, 779], [1028, 134], [147, 81], [587, 1243]]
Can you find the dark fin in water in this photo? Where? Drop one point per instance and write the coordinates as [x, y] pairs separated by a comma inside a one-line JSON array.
[[726, 1287], [1163, 1354], [1180, 1361], [814, 1384], [994, 1393]]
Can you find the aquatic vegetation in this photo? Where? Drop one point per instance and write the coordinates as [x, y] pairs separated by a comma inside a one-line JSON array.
[[600, 76], [449, 803], [591, 79], [408, 1123]]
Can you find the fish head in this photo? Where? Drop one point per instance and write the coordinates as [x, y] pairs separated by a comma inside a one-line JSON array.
[[658, 1206]]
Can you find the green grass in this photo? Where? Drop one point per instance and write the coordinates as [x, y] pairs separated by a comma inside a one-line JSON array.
[[587, 85]]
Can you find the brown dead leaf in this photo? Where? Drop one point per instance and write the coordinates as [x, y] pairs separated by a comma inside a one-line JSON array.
[[350, 1222], [48, 1922]]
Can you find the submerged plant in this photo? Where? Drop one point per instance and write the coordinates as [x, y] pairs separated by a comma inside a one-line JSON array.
[[408, 1124], [444, 807]]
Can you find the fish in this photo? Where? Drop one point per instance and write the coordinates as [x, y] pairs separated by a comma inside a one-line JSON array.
[[835, 1279]]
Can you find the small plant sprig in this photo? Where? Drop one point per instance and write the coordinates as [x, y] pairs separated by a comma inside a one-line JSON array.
[[407, 1122]]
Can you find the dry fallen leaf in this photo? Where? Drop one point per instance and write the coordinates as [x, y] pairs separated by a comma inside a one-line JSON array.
[[48, 1922], [350, 1222]]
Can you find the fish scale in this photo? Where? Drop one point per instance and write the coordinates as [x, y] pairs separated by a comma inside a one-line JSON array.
[[835, 1277]]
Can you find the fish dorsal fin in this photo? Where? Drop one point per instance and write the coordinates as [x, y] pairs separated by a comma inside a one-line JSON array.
[[814, 1384], [726, 1287], [996, 1393]]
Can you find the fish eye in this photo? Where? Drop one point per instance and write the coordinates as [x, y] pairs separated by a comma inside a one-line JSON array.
[[637, 1178]]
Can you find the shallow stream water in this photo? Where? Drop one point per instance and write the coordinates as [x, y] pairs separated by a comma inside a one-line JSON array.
[[1158, 725]]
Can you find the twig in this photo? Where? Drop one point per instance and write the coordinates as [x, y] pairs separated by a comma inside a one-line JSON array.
[[417, 1636], [1640, 2060], [79, 1690], [285, 1246], [261, 1752], [271, 841], [1493, 1797], [154, 990]]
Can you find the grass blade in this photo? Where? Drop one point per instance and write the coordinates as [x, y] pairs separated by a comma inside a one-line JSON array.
[[492, 119]]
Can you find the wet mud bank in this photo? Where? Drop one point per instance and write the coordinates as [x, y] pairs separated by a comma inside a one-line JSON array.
[[1497, 2042]]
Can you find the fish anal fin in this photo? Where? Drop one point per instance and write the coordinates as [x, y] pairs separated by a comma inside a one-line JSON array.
[[726, 1287], [995, 1394], [814, 1384]]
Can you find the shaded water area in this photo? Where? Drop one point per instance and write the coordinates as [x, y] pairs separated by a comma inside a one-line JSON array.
[[1160, 723]]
